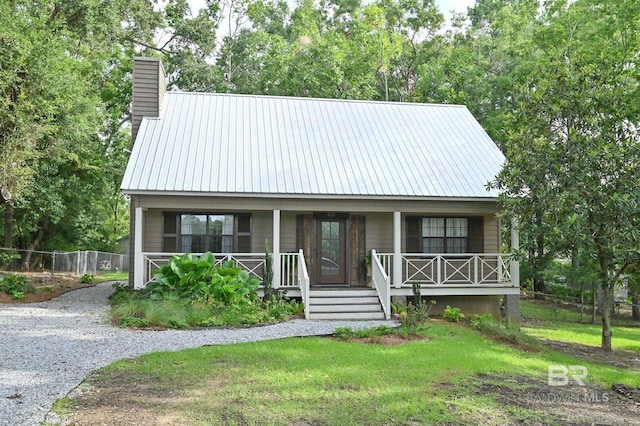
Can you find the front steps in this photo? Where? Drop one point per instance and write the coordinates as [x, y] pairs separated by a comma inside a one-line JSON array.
[[348, 303]]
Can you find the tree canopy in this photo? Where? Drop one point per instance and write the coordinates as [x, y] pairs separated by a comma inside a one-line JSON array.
[[555, 84]]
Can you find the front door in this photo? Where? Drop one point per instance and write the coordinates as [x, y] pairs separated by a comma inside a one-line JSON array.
[[330, 262]]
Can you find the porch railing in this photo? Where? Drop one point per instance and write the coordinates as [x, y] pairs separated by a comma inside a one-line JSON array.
[[251, 262], [465, 269], [289, 270], [303, 282], [382, 283]]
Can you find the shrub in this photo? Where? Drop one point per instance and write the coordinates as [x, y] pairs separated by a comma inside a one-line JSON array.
[[15, 285], [452, 314], [199, 278], [481, 321], [86, 279]]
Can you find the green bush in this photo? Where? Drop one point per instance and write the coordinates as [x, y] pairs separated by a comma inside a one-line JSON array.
[[198, 278], [566, 292], [15, 285], [481, 321], [86, 279], [452, 314]]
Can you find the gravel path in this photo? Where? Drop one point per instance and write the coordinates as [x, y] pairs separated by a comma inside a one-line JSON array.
[[49, 348]]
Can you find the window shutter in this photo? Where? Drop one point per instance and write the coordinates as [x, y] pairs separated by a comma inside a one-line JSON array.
[[476, 234], [243, 232], [170, 233], [414, 234]]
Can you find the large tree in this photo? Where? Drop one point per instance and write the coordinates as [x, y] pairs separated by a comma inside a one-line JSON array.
[[573, 149]]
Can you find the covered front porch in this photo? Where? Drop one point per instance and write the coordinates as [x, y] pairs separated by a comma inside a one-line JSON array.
[[390, 272]]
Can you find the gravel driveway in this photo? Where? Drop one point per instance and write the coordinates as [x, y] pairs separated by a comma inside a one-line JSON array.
[[49, 348]]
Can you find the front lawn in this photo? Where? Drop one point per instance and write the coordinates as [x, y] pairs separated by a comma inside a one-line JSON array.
[[456, 376], [562, 324]]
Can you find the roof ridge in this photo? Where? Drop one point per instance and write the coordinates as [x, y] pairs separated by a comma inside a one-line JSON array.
[[310, 99]]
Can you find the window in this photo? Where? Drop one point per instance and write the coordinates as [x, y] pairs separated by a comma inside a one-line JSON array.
[[197, 233], [445, 235]]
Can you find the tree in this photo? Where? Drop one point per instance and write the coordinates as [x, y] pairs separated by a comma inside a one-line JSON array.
[[573, 149]]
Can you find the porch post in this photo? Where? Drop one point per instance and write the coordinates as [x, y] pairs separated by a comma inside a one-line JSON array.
[[515, 245], [276, 250], [397, 249], [138, 274], [512, 301]]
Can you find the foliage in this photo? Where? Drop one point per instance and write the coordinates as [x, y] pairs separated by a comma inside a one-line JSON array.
[[347, 333], [145, 308], [7, 257], [15, 285], [87, 278], [199, 278], [567, 293], [409, 317], [479, 321], [452, 314]]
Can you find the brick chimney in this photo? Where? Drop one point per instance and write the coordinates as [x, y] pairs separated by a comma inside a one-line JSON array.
[[149, 87]]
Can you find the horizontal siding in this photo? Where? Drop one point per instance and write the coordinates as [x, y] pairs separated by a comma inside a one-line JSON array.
[[153, 231], [379, 231], [148, 90], [261, 231], [288, 232], [491, 234]]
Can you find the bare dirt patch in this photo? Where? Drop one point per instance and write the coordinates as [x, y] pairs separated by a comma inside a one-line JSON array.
[[45, 287], [567, 405]]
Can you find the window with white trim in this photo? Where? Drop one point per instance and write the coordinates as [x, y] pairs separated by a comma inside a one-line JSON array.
[[445, 235], [201, 232]]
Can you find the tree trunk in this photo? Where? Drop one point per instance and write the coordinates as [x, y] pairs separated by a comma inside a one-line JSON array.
[[606, 317], [635, 307], [26, 264], [8, 225], [538, 281]]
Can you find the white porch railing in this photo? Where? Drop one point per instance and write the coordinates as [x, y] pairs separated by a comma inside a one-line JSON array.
[[251, 262], [289, 270], [382, 283], [303, 282], [466, 269]]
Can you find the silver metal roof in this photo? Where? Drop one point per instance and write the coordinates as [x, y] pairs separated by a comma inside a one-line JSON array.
[[220, 143]]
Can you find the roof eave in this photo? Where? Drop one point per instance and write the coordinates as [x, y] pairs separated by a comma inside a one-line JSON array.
[[310, 196]]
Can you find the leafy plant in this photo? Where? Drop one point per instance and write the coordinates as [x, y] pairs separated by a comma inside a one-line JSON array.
[[481, 321], [15, 285], [7, 257], [452, 314], [86, 279]]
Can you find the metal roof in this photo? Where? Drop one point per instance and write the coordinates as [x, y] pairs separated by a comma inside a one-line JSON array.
[[240, 144]]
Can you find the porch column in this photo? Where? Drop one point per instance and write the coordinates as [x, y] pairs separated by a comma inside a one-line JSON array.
[[397, 249], [276, 249], [515, 246], [138, 274], [511, 302]]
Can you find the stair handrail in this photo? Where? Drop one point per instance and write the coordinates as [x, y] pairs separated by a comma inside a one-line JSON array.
[[303, 282], [382, 284]]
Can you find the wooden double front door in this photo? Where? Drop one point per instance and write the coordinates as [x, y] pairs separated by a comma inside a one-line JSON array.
[[334, 248]]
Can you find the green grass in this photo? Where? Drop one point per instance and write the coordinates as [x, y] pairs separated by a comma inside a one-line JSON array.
[[562, 324], [324, 381], [111, 276], [550, 313]]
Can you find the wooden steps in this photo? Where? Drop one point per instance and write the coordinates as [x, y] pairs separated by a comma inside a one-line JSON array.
[[348, 303]]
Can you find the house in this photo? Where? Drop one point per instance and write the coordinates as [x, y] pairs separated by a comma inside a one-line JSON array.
[[329, 187]]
